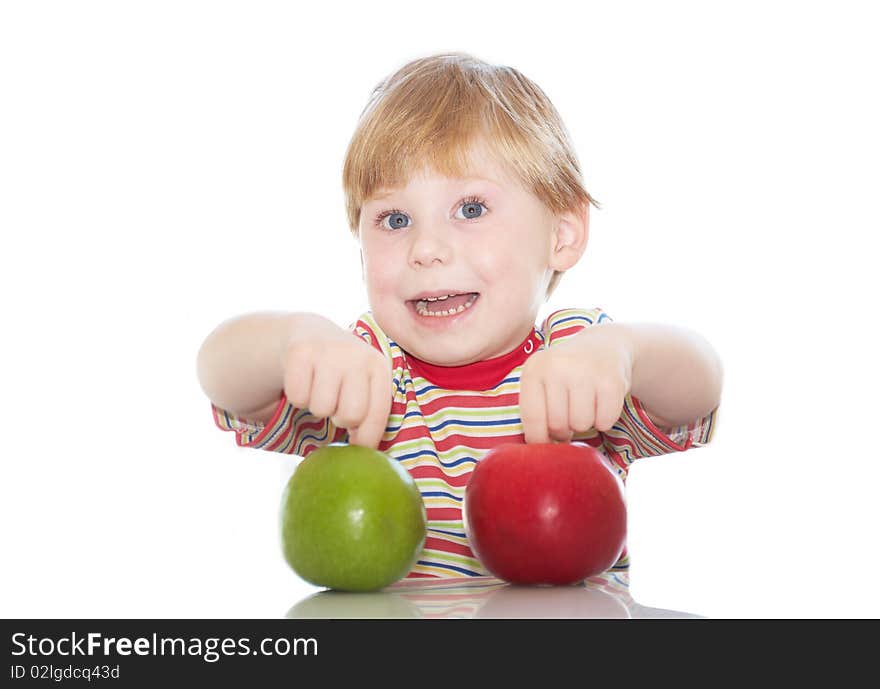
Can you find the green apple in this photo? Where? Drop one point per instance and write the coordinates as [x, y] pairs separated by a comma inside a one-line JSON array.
[[352, 519]]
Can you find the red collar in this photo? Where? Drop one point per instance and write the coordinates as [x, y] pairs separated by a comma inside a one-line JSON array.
[[480, 375]]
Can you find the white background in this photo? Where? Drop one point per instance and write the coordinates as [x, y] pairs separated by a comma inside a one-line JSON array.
[[167, 165]]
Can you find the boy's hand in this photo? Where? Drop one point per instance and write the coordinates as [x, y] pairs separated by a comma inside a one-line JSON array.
[[335, 374], [576, 385]]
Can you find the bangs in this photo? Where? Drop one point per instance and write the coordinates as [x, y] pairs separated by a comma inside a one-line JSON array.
[[389, 158], [431, 113]]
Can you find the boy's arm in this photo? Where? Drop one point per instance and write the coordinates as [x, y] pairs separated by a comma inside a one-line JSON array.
[[676, 374], [239, 364]]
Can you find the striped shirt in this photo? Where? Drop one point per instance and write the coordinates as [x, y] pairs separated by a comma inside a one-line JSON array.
[[443, 420]]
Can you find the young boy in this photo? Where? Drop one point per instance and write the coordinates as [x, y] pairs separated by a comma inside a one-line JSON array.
[[466, 196]]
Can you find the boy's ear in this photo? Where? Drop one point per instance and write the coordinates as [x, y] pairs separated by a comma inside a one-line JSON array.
[[569, 238]]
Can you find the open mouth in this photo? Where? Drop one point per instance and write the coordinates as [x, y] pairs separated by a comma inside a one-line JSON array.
[[449, 305]]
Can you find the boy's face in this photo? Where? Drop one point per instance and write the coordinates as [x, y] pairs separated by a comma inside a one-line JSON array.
[[485, 234]]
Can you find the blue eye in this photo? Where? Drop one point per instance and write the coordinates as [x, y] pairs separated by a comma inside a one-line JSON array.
[[396, 220], [395, 217], [472, 208]]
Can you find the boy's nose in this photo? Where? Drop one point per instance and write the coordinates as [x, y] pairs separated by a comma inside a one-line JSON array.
[[428, 248]]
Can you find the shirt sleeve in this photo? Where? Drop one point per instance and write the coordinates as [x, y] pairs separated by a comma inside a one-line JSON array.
[[633, 435], [292, 430]]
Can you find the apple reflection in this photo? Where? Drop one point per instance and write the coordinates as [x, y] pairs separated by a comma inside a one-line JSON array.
[[605, 596], [340, 605]]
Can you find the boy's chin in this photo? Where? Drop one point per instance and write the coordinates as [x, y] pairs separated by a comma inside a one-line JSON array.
[[427, 357], [433, 353]]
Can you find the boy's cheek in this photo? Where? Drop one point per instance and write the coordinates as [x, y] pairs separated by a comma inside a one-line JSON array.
[[383, 291], [376, 273], [381, 264]]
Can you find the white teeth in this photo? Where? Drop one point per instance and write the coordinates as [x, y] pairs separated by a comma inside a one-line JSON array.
[[422, 308]]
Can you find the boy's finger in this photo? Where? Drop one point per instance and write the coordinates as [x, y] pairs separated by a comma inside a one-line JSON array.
[[298, 386], [582, 409], [557, 410], [532, 410], [609, 404], [355, 438], [354, 399], [370, 432], [325, 392]]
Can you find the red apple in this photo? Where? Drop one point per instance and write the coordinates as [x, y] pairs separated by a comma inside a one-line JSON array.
[[545, 513]]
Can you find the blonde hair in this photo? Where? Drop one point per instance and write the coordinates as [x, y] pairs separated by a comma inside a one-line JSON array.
[[430, 111]]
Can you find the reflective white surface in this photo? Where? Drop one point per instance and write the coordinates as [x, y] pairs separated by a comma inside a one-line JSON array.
[[605, 596]]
